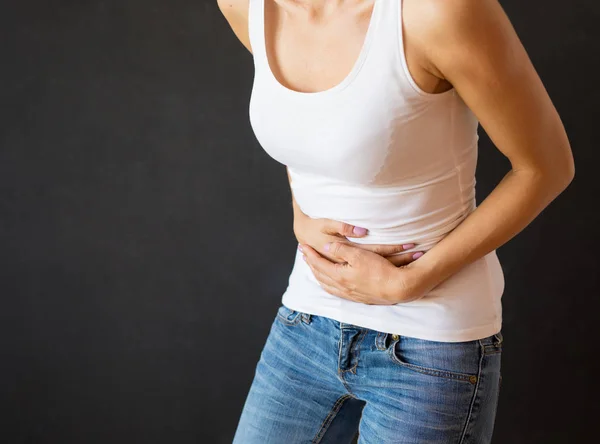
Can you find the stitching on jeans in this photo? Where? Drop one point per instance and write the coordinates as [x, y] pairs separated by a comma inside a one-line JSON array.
[[356, 345], [294, 321], [492, 348], [495, 352], [428, 371], [475, 393], [329, 418], [379, 341]]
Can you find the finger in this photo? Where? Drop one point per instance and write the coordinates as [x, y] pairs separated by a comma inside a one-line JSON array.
[[336, 227], [334, 291], [386, 250], [344, 251], [345, 295], [333, 259], [328, 255], [336, 288], [325, 279], [332, 286], [404, 259], [323, 265]]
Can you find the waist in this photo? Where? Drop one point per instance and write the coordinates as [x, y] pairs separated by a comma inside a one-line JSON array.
[[461, 308], [418, 214]]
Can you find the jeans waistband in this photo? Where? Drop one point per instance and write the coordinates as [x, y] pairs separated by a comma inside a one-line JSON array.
[[381, 339]]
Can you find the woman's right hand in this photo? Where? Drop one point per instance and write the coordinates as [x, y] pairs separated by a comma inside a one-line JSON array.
[[318, 232]]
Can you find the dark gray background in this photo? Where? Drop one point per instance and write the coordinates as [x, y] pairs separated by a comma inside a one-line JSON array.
[[146, 238]]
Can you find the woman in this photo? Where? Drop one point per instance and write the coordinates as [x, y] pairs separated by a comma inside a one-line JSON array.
[[373, 106]]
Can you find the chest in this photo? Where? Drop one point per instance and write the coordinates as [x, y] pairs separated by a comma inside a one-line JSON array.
[[344, 136]]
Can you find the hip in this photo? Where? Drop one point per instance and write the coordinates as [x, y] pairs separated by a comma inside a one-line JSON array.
[[466, 306], [318, 377]]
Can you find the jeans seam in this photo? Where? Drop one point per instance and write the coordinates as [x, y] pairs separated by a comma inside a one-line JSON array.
[[429, 371], [329, 418], [495, 352], [354, 348], [475, 393]]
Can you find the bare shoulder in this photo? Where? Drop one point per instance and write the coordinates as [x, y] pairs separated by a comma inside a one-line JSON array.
[[443, 30], [473, 45], [236, 14]]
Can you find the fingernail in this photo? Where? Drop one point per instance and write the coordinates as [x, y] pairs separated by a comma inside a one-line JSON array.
[[359, 230], [407, 246], [304, 257], [326, 247], [417, 255], [299, 247]]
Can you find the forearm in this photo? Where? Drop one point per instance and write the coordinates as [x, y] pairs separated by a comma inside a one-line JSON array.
[[517, 199]]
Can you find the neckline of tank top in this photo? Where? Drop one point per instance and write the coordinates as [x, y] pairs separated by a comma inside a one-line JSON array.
[[347, 81]]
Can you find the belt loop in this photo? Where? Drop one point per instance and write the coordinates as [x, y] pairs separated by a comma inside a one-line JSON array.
[[499, 338], [381, 340], [306, 318]]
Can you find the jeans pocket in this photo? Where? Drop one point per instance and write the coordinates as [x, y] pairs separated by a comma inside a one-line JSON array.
[[452, 360], [288, 316]]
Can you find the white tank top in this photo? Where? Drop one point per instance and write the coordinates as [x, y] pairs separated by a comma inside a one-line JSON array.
[[378, 152]]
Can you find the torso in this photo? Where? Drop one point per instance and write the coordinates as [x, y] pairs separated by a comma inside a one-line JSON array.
[[365, 144]]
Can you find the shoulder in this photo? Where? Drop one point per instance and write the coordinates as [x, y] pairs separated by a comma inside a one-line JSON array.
[[233, 6], [236, 14], [453, 33], [452, 16]]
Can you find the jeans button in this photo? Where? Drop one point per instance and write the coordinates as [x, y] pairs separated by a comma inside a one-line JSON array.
[[395, 337]]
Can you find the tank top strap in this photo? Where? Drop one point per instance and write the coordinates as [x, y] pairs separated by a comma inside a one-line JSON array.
[[389, 58], [391, 11], [388, 28]]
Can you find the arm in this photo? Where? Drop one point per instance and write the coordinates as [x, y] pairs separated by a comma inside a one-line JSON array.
[[472, 44], [236, 14]]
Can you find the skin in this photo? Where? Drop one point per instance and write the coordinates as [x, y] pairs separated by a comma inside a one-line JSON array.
[[472, 46], [318, 232]]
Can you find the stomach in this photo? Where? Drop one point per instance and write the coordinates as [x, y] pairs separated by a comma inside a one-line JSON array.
[[464, 307], [422, 214]]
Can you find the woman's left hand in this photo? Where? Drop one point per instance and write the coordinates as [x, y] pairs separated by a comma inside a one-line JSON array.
[[365, 277]]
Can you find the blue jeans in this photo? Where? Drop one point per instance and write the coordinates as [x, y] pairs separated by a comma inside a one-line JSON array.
[[322, 381]]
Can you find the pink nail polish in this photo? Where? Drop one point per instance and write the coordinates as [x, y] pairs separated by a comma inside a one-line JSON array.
[[417, 255], [407, 246], [359, 230], [299, 247]]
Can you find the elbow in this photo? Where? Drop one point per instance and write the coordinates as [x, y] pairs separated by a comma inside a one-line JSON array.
[[561, 170], [553, 179], [569, 176], [566, 163], [560, 179], [568, 171]]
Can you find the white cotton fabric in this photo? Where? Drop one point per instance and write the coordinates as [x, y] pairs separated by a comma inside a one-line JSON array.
[[378, 152]]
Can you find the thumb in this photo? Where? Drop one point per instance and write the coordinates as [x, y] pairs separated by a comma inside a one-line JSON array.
[[336, 227], [343, 251]]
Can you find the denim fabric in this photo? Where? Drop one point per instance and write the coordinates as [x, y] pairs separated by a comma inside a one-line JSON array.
[[323, 381]]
